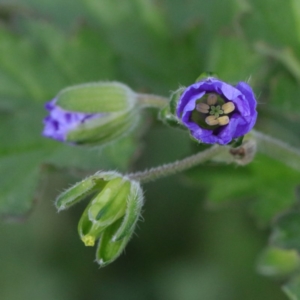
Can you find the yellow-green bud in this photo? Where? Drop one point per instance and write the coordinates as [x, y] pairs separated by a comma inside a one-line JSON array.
[[110, 216], [115, 237]]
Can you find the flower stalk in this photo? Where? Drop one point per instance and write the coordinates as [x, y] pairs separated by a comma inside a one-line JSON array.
[[277, 149], [177, 166], [147, 100]]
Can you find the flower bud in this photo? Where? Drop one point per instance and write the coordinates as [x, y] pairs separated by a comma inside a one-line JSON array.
[[108, 248], [115, 237], [110, 216], [107, 207], [94, 113]]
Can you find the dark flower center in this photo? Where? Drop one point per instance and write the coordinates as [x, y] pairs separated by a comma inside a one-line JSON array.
[[212, 111]]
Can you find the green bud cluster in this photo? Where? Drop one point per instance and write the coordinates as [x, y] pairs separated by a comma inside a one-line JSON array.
[[111, 215]]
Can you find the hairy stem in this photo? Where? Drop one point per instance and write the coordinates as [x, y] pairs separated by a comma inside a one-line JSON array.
[[278, 150], [177, 166], [272, 147], [152, 101]]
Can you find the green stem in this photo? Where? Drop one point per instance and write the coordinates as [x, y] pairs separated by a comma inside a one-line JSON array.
[[278, 150], [272, 147], [153, 101], [177, 166]]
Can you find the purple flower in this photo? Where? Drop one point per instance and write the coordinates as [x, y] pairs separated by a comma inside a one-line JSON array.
[[216, 112], [92, 114], [60, 122]]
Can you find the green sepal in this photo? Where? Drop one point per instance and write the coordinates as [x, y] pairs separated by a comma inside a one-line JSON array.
[[175, 96], [102, 97], [193, 139], [108, 248], [168, 114], [110, 204], [235, 143], [206, 75], [169, 119], [104, 129], [133, 211], [78, 192]]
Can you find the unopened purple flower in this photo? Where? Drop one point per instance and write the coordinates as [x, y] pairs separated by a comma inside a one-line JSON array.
[[216, 112], [92, 114], [60, 122]]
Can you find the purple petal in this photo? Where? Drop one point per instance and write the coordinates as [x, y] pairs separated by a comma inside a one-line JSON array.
[[60, 122]]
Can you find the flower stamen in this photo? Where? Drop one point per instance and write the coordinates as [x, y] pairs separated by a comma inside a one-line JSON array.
[[212, 99], [224, 120], [203, 108], [228, 107], [211, 120]]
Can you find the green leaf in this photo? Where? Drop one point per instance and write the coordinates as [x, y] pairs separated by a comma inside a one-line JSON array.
[[267, 184], [239, 62], [81, 57], [271, 28], [18, 182]]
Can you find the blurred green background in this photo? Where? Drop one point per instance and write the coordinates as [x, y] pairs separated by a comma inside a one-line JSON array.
[[198, 240]]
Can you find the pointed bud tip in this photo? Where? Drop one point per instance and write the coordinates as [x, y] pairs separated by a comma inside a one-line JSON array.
[[61, 208], [101, 263]]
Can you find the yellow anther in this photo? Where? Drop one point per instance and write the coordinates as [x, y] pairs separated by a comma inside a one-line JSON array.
[[202, 107], [228, 107], [212, 99], [88, 240], [224, 120], [211, 120]]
